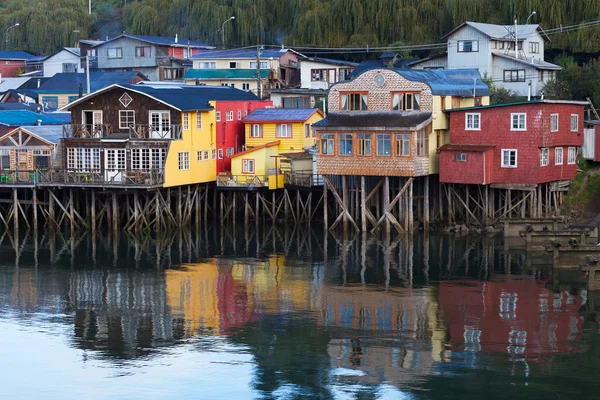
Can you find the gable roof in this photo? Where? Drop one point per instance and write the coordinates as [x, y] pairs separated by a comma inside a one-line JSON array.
[[51, 134], [442, 54], [91, 42], [15, 55], [448, 82], [262, 146], [331, 61], [162, 41], [225, 73], [502, 32], [281, 114], [13, 83], [239, 54], [73, 50], [69, 82], [182, 98], [25, 117]]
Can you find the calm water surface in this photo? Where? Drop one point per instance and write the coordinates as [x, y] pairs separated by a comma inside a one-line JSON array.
[[287, 313]]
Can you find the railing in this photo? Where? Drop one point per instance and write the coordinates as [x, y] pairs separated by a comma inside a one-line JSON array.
[[104, 177], [249, 181], [19, 177], [302, 178], [140, 131]]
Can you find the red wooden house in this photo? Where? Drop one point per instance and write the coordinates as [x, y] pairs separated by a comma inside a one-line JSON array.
[[230, 128], [513, 145]]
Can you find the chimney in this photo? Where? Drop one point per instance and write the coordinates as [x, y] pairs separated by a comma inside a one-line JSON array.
[[80, 89], [39, 122], [38, 83], [176, 39]]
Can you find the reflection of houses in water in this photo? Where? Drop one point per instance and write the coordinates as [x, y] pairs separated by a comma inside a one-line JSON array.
[[394, 330], [515, 316]]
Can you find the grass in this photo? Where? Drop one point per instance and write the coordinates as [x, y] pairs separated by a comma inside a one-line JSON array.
[[584, 188]]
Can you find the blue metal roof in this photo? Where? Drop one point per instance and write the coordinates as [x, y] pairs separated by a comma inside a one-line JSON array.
[[69, 82], [24, 117], [168, 41], [367, 65], [281, 114], [15, 55], [237, 54], [448, 82], [51, 133]]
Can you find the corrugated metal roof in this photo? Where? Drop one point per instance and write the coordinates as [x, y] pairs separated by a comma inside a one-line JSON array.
[[24, 117], [238, 53], [466, 147], [448, 82], [262, 146], [12, 83], [331, 61], [539, 64], [18, 106], [281, 114], [163, 41], [502, 32], [389, 119], [225, 73], [69, 82], [91, 42], [51, 133], [15, 55]]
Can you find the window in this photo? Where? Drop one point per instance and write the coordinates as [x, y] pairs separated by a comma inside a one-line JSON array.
[[229, 152], [364, 144], [206, 65], [541, 75], [477, 101], [296, 102], [218, 116], [509, 158], [69, 67], [83, 159], [115, 52], [306, 130], [220, 154], [422, 143], [354, 101], [5, 159], [553, 122], [284, 131], [514, 75], [239, 115], [345, 144], [213, 154], [327, 144], [126, 119], [345, 74], [50, 101], [229, 115], [247, 166], [468, 45], [245, 86], [263, 65], [518, 121], [406, 101], [71, 99], [148, 158], [199, 155], [232, 64], [544, 155], [461, 157], [320, 75], [245, 113], [574, 122], [472, 121], [383, 144], [41, 159], [534, 47], [170, 74], [443, 102], [198, 120], [558, 156], [403, 145], [572, 155], [205, 155], [184, 160], [256, 130], [186, 121], [143, 51]]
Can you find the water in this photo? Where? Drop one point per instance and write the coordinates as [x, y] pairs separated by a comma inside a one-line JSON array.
[[290, 313]]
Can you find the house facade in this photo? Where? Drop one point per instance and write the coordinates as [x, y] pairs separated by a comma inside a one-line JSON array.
[[13, 62], [513, 145], [158, 58], [67, 60], [320, 73], [491, 50], [387, 122]]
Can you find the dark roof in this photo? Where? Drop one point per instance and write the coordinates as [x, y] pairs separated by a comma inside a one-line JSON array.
[[15, 55], [448, 82], [332, 61], [238, 53], [69, 82], [37, 59], [388, 55], [32, 84], [389, 119], [281, 114], [466, 147], [367, 65], [164, 41], [442, 54], [18, 106], [24, 117], [297, 156], [502, 32], [91, 42], [184, 97], [225, 73]]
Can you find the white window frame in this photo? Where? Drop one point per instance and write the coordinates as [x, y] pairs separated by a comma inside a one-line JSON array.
[[118, 52], [229, 115], [576, 116], [198, 120], [553, 122], [558, 156], [462, 157], [205, 155], [229, 152], [474, 126], [248, 166], [218, 116], [126, 126], [474, 46], [239, 113], [183, 160], [186, 121], [284, 132], [213, 153], [512, 122], [572, 155], [220, 154], [256, 131], [199, 155], [516, 158], [544, 157], [148, 158]]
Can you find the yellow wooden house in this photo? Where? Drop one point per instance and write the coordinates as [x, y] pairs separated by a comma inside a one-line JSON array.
[[272, 134]]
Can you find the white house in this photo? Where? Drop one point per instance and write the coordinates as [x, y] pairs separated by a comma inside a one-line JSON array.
[[320, 73], [491, 50], [66, 60]]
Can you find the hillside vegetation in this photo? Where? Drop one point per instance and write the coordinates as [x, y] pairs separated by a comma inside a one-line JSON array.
[[47, 25]]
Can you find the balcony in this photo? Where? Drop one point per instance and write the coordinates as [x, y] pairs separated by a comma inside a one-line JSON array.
[[250, 182], [302, 178], [104, 131], [13, 178], [101, 177]]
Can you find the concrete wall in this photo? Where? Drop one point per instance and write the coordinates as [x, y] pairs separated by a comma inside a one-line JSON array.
[[54, 64]]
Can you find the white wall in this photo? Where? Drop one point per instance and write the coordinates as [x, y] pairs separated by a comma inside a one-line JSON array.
[[54, 64], [307, 66]]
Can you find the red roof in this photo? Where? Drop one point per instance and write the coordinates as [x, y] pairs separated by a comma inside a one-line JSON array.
[[262, 146]]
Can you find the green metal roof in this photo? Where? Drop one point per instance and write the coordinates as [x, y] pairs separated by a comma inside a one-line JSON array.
[[225, 73]]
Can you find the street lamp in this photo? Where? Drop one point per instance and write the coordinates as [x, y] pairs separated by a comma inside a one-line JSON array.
[[223, 30], [77, 31], [530, 15], [6, 33]]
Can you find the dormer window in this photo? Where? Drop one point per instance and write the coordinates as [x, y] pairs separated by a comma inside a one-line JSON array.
[[468, 45]]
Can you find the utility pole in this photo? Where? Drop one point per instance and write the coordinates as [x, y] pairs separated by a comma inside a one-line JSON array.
[[87, 72], [258, 80], [516, 40], [90, 7]]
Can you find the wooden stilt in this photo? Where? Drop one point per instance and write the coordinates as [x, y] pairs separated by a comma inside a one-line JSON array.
[[363, 204], [115, 206], [426, 204], [35, 211]]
